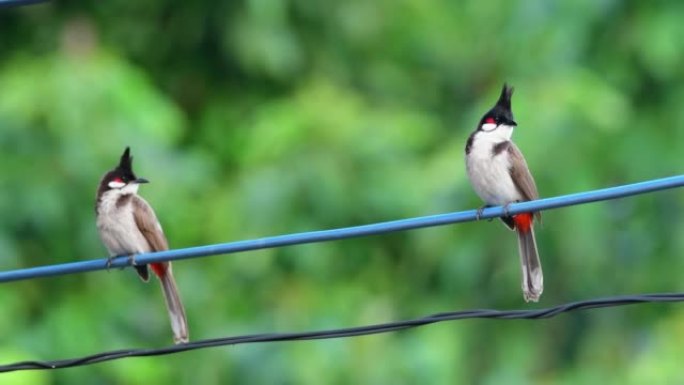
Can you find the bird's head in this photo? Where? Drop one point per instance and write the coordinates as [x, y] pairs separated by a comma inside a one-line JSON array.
[[122, 178], [499, 119]]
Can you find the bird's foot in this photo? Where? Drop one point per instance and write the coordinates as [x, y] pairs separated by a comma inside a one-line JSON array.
[[478, 214], [131, 258], [109, 262], [506, 210]]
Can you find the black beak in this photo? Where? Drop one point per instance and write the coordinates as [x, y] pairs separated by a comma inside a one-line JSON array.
[[141, 180], [512, 123]]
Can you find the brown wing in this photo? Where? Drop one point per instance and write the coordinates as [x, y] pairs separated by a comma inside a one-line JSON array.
[[149, 225], [521, 175]]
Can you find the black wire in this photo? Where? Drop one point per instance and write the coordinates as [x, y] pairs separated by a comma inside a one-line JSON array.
[[352, 331]]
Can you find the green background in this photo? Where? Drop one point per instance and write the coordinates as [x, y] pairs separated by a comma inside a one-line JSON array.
[[264, 117]]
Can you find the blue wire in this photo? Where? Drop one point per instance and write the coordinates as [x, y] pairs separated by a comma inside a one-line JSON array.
[[18, 3], [348, 232]]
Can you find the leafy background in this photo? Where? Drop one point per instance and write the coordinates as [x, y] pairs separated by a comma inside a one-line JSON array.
[[262, 117]]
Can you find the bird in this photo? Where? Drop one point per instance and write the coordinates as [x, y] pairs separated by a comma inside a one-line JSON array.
[[499, 175], [128, 226]]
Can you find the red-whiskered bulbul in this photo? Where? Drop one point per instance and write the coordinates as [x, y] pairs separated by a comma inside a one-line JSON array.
[[499, 175], [128, 226]]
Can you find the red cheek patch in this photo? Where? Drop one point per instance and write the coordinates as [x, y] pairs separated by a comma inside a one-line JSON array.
[[490, 121]]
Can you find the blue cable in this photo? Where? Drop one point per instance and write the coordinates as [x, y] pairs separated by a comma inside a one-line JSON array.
[[348, 232], [18, 3]]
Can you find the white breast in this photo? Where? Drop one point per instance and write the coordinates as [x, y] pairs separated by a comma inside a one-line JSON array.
[[489, 173], [117, 227]]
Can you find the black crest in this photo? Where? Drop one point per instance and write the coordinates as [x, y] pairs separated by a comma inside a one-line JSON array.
[[505, 97], [501, 113], [125, 168]]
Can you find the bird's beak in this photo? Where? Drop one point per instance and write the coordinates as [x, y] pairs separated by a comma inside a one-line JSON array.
[[141, 180], [513, 123]]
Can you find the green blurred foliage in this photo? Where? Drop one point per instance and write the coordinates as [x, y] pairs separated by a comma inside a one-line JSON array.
[[262, 117]]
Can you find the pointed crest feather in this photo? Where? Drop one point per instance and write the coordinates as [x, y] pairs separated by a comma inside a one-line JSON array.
[[126, 160], [505, 98]]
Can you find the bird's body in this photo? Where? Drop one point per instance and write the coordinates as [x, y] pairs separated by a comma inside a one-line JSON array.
[[500, 176], [128, 226], [117, 227], [488, 167]]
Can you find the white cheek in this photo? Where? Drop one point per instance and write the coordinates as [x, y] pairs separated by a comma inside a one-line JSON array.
[[488, 126], [130, 188], [507, 131], [115, 184], [502, 132]]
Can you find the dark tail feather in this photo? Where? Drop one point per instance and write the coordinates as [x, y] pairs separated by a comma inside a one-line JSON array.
[[179, 323], [532, 276]]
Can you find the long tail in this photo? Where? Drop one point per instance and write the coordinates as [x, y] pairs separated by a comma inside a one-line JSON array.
[[532, 276], [179, 323]]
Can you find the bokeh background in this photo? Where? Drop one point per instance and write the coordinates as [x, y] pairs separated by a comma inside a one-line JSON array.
[[263, 117]]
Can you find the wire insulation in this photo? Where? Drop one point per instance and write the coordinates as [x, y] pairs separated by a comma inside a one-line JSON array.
[[19, 3], [348, 232], [535, 314]]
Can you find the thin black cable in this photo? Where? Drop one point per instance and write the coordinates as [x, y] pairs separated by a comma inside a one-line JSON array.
[[534, 314]]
